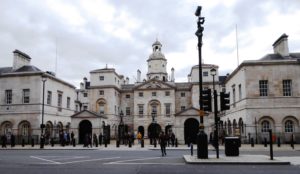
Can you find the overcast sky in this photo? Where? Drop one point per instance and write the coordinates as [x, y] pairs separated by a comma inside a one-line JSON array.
[[84, 35]]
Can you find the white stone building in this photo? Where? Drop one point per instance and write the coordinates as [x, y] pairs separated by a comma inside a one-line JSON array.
[[21, 93], [265, 94]]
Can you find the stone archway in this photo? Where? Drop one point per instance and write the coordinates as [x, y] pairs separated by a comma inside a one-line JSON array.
[[191, 129], [154, 130], [141, 130], [85, 128]]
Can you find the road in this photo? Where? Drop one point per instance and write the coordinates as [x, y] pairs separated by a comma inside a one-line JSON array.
[[125, 162]]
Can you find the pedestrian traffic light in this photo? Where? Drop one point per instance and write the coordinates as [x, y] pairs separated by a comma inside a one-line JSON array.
[[206, 99], [225, 101]]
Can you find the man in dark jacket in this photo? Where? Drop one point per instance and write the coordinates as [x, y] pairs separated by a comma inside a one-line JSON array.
[[162, 142]]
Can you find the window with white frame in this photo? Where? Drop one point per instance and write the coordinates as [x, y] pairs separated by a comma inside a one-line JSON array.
[[205, 73], [49, 97], [101, 109], [263, 87], [59, 101], [68, 102], [141, 110], [182, 108], [127, 110], [26, 95], [101, 92], [289, 126], [168, 109], [141, 94], [154, 94], [8, 96], [167, 93], [240, 91], [265, 126], [101, 78], [287, 87], [182, 94]]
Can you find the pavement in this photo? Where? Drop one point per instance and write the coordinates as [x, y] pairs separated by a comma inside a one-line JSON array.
[[241, 159]]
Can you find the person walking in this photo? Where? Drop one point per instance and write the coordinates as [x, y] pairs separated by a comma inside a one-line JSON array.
[[162, 142]]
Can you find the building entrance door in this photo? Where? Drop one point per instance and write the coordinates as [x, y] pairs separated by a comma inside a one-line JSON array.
[[85, 129], [191, 129]]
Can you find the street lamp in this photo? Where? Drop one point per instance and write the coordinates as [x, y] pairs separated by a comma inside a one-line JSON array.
[[42, 138], [121, 127], [213, 72], [202, 144]]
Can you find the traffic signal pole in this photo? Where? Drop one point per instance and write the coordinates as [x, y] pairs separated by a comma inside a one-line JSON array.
[[216, 122]]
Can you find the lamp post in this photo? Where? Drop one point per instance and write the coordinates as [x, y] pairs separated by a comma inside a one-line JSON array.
[[121, 127], [202, 144], [42, 138], [213, 72]]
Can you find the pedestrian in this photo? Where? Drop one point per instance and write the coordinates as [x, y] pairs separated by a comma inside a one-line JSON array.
[[139, 137], [12, 140], [162, 142], [100, 139], [4, 140]]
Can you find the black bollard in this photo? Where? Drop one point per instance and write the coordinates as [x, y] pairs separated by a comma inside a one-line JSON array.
[[271, 144], [252, 142], [192, 149], [117, 143], [52, 142], [129, 143], [73, 142], [176, 142], [155, 142], [265, 142], [105, 143], [278, 141], [23, 142], [32, 142], [142, 143]]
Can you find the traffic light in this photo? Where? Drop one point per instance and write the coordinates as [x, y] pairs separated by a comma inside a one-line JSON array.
[[225, 101], [206, 99]]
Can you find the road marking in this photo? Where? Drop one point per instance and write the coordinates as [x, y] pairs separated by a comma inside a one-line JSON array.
[[53, 162], [69, 162], [142, 159]]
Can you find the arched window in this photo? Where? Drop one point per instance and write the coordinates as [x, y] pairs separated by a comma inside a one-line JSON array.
[[265, 126], [24, 128], [289, 126], [7, 128]]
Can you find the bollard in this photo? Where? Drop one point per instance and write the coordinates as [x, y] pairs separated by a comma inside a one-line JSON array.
[[176, 142], [271, 144], [23, 142], [129, 143], [192, 149], [278, 142], [155, 142], [105, 143], [73, 142], [142, 143], [265, 142], [117, 143], [32, 142], [52, 142], [252, 142]]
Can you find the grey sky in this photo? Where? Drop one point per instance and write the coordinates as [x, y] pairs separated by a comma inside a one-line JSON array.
[[88, 34]]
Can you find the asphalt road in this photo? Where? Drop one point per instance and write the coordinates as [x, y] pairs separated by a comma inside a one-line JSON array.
[[124, 162]]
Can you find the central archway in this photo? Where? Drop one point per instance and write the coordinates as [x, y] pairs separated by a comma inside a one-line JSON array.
[[85, 127], [191, 128], [153, 130]]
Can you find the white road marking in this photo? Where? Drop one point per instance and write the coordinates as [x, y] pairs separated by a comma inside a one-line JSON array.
[[89, 160], [69, 162], [53, 162], [128, 162]]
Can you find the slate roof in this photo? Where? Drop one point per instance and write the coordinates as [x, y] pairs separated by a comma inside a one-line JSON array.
[[279, 57]]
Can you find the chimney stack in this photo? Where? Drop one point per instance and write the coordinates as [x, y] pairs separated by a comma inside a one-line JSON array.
[[138, 76], [20, 59], [280, 46], [172, 75]]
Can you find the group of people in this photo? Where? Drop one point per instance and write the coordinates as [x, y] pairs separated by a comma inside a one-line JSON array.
[[4, 140], [90, 141]]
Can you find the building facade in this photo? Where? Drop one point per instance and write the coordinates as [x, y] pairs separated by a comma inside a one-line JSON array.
[[264, 94]]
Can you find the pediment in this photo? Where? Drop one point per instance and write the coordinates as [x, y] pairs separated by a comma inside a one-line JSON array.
[[154, 84], [188, 112], [87, 114]]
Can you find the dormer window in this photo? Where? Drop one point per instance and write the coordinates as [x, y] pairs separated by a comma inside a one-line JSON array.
[[101, 78]]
